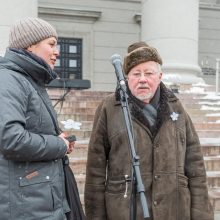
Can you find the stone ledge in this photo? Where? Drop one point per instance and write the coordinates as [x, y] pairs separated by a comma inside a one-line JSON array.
[[71, 13]]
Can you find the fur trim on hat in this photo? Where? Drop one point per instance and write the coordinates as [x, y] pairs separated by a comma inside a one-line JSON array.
[[140, 55]]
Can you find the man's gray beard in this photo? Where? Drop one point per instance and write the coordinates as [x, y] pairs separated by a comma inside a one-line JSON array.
[[145, 97]]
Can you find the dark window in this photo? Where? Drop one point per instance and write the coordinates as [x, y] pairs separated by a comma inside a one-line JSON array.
[[69, 62], [208, 71]]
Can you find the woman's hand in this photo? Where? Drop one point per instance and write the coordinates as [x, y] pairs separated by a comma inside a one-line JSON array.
[[70, 144]]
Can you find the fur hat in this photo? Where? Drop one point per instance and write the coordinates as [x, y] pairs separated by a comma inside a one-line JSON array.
[[140, 55], [136, 45], [29, 31]]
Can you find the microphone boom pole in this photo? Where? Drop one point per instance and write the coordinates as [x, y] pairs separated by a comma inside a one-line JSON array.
[[116, 62]]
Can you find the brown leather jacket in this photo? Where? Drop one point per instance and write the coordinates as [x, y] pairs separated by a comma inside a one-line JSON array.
[[171, 164]]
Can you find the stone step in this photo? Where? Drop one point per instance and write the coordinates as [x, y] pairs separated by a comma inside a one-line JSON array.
[[207, 95], [76, 117], [202, 100], [190, 96], [80, 149], [200, 112], [207, 126], [212, 163], [202, 106], [75, 95], [80, 180], [208, 133], [205, 118], [78, 165], [213, 178], [213, 117], [210, 141], [211, 150], [204, 87], [210, 146], [73, 111], [79, 104], [214, 195], [80, 134]]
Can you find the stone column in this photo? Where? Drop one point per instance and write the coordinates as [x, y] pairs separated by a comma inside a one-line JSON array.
[[172, 27], [10, 11]]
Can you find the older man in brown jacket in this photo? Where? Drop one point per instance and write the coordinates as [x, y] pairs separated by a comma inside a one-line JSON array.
[[171, 161]]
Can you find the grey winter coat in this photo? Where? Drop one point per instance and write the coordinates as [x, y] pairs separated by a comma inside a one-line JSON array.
[[32, 179], [171, 164]]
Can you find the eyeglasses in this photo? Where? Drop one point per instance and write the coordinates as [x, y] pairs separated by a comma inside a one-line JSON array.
[[138, 75]]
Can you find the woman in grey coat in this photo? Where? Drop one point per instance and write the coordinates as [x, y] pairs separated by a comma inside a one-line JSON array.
[[31, 152]]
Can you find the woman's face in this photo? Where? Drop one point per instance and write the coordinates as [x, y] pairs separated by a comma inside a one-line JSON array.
[[47, 50]]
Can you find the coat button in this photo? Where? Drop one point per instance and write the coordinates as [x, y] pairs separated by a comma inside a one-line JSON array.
[[155, 202], [156, 177]]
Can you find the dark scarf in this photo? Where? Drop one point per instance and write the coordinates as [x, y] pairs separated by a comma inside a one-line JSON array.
[[44, 77], [149, 110], [159, 101]]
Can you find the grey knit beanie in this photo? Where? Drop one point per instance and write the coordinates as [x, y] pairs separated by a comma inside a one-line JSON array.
[[29, 31]]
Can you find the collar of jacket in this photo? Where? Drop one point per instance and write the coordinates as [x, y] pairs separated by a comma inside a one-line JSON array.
[[164, 110], [29, 64]]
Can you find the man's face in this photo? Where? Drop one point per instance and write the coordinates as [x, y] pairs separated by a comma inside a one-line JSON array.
[[144, 79]]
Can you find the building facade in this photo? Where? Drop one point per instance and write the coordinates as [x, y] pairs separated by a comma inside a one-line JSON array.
[[91, 31]]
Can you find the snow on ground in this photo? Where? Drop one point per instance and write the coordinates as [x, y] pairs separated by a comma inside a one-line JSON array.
[[209, 108], [209, 103], [208, 141], [213, 114]]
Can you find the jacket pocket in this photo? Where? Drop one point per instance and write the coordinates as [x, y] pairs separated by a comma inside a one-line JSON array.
[[114, 198], [34, 178], [37, 194], [184, 198], [116, 186]]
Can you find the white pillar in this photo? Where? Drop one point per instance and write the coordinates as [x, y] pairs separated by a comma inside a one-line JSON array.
[[10, 11], [172, 27]]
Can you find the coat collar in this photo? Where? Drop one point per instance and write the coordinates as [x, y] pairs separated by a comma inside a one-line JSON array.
[[164, 109], [29, 64]]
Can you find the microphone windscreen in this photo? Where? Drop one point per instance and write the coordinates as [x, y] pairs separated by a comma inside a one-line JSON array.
[[115, 58]]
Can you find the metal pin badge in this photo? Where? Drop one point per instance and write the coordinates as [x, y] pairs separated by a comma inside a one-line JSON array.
[[174, 116]]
